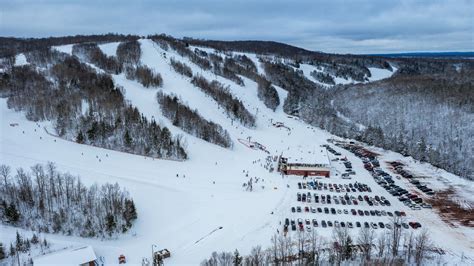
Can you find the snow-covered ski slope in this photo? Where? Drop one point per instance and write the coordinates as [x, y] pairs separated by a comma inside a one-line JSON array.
[[375, 73], [181, 204]]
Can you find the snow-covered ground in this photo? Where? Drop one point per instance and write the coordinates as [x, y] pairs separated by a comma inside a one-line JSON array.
[[180, 212], [379, 73], [20, 60], [64, 48], [110, 49]]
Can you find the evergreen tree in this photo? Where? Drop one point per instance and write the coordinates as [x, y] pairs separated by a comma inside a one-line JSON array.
[[130, 213], [127, 139], [27, 245], [92, 132], [12, 213], [80, 137], [19, 242], [12, 250], [2, 252], [110, 224], [421, 151], [34, 239], [237, 258]]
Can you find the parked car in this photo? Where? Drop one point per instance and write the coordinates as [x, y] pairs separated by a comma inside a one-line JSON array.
[[358, 224], [293, 209]]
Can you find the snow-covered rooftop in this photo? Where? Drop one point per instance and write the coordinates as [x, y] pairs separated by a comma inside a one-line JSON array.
[[309, 154], [75, 256]]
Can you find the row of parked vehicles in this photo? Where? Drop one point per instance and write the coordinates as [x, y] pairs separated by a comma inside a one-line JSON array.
[[411, 200], [333, 187], [326, 210], [386, 181], [343, 200], [308, 224], [331, 150], [406, 174]]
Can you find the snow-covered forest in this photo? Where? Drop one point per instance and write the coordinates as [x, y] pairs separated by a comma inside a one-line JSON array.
[[428, 117], [109, 108], [44, 199], [234, 107], [86, 105], [191, 122]]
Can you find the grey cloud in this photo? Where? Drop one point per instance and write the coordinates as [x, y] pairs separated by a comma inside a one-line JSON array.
[[359, 26]]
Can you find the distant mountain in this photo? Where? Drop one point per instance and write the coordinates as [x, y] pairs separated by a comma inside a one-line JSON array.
[[430, 54]]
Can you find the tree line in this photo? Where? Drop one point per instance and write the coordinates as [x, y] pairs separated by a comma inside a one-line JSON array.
[[127, 61], [233, 107], [323, 77], [242, 65], [298, 87], [10, 46], [395, 246], [181, 68], [191, 122], [47, 200]]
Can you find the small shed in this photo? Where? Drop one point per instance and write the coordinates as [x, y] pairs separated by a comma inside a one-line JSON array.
[[82, 256]]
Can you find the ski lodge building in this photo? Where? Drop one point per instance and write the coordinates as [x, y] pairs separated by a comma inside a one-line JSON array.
[[318, 166]]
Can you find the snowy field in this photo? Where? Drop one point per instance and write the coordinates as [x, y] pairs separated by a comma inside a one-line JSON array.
[[181, 204]]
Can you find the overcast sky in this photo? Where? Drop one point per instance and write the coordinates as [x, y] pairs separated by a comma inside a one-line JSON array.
[[351, 26]]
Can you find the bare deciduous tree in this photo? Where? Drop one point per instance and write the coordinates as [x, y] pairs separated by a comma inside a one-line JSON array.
[[366, 240], [422, 244]]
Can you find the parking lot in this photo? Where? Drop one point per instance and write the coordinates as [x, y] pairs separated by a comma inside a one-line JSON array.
[[344, 201]]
